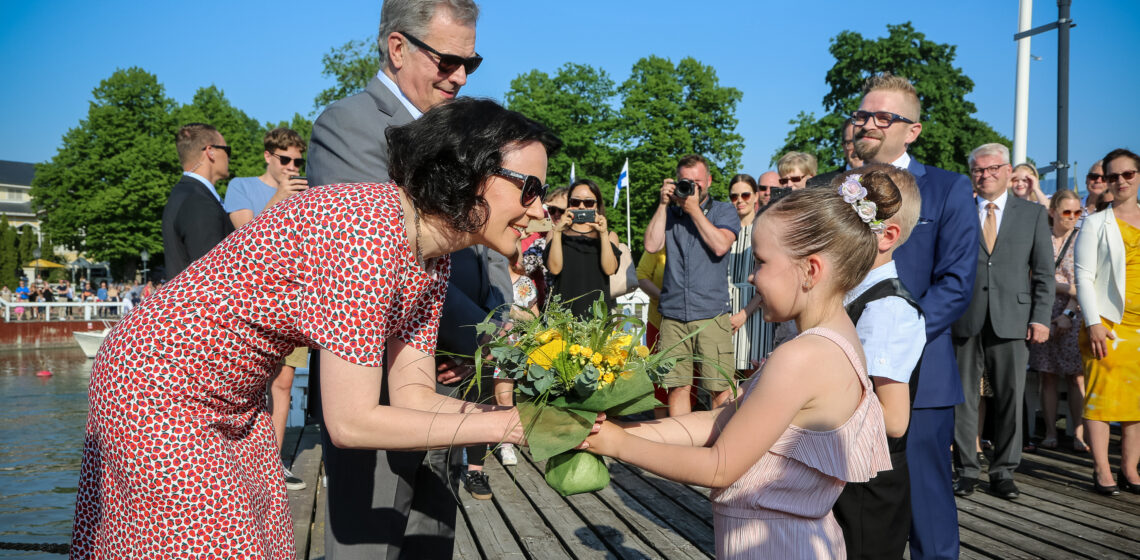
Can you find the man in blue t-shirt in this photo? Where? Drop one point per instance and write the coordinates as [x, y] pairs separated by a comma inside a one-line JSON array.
[[247, 197], [22, 291], [697, 233]]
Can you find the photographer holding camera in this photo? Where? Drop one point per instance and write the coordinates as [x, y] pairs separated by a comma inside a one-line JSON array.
[[579, 262], [697, 234]]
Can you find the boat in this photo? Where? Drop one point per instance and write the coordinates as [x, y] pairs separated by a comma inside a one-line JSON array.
[[90, 341]]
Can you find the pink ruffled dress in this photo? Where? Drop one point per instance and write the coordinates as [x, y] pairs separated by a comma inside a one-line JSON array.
[[781, 507]]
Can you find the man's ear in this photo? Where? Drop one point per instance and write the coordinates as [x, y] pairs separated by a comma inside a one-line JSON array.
[[913, 132], [397, 50], [889, 237]]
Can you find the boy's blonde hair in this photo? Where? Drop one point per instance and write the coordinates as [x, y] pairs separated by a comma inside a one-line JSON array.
[[797, 161]]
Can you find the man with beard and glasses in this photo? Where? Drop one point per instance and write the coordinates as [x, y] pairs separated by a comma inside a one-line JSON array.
[[937, 264]]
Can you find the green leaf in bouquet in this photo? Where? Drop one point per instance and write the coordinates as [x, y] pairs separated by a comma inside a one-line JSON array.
[[624, 389], [636, 406], [550, 430], [541, 379], [575, 472], [587, 382]]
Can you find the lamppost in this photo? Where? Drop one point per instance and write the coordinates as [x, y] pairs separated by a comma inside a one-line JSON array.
[[145, 257], [36, 254]]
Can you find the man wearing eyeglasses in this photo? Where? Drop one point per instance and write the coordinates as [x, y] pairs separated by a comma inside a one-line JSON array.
[[767, 181], [937, 264], [194, 221], [427, 51], [1012, 305]]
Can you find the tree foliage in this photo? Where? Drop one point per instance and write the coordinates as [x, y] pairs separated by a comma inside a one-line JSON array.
[[949, 129], [104, 190], [352, 65]]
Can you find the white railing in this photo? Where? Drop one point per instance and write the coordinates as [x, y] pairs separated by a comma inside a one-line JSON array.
[[635, 303], [61, 311]]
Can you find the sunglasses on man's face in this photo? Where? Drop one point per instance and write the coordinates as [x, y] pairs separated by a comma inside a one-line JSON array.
[[448, 63], [763, 188], [745, 196], [582, 202], [226, 149], [532, 187], [1114, 177], [1094, 177], [300, 161], [791, 179], [555, 212]]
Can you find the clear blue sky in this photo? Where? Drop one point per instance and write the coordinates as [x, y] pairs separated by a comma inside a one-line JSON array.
[[266, 56]]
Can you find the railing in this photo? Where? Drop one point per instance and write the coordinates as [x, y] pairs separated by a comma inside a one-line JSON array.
[[635, 303], [62, 310]]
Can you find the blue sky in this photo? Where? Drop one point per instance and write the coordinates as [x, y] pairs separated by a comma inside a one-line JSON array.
[[266, 56]]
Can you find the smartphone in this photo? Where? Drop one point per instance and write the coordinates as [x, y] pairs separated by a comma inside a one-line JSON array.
[[582, 216], [778, 193], [541, 226]]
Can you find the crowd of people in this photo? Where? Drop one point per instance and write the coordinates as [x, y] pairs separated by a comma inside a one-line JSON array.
[[909, 292], [127, 294]]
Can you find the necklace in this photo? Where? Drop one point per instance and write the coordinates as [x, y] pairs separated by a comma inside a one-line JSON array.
[[419, 248]]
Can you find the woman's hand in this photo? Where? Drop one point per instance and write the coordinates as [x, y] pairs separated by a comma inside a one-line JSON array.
[[564, 222], [1099, 337], [605, 439], [599, 225]]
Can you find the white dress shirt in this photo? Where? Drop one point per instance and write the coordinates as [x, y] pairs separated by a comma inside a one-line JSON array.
[[887, 329], [395, 89], [209, 185], [903, 162]]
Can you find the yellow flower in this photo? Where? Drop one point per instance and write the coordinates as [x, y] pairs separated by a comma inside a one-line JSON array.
[[613, 361], [545, 354], [641, 351], [607, 378], [596, 358], [585, 352], [575, 349], [547, 336]]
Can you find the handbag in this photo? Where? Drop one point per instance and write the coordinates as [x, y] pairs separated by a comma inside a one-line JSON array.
[[624, 280]]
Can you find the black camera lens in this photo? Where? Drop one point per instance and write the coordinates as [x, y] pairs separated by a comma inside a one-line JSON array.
[[684, 188]]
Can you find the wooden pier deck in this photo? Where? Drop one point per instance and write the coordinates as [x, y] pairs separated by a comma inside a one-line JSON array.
[[643, 516]]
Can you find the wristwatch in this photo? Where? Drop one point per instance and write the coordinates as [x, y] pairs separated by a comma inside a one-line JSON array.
[[1069, 313]]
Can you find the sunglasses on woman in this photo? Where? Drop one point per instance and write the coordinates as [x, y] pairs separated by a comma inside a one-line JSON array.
[[448, 63], [745, 196], [555, 212], [300, 161], [583, 202], [1069, 213], [532, 187], [1113, 177]]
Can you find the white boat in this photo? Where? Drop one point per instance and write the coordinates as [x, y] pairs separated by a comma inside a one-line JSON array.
[[89, 341]]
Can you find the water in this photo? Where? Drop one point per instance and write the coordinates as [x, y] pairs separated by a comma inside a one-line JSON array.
[[41, 443]]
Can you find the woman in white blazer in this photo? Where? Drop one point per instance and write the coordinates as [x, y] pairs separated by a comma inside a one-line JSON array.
[[1108, 289]]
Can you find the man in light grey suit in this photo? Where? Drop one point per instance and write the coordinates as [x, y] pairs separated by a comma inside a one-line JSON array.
[[1012, 304], [390, 505]]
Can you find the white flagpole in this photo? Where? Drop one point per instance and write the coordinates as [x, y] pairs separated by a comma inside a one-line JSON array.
[[628, 185]]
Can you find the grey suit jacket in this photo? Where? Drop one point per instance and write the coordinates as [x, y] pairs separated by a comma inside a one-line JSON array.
[[1014, 285], [348, 144]]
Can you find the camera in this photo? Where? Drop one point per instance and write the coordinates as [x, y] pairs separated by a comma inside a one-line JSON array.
[[582, 216], [684, 188], [778, 193]]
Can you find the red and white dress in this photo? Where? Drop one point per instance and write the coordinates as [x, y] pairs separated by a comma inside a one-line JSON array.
[[180, 459]]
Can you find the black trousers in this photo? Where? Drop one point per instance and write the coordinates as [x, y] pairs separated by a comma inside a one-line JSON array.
[[875, 515]]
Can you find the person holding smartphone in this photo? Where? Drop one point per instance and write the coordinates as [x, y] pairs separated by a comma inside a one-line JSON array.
[[581, 252]]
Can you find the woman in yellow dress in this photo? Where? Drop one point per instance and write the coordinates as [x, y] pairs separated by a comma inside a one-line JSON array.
[[1108, 288]]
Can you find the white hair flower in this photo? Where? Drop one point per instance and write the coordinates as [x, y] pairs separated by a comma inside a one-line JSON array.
[[855, 194]]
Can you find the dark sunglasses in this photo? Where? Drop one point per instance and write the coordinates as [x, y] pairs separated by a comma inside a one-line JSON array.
[[1113, 177], [791, 179], [763, 188], [226, 149], [583, 202], [1094, 177], [745, 196], [1069, 213], [286, 159], [532, 188], [555, 212], [883, 119], [448, 63]]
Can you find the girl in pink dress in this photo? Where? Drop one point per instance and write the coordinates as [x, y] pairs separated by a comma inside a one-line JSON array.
[[180, 459], [808, 422]]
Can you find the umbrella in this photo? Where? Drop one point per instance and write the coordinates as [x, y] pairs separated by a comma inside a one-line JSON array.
[[41, 263]]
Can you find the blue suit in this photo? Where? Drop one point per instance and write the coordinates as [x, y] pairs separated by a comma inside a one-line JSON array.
[[937, 264]]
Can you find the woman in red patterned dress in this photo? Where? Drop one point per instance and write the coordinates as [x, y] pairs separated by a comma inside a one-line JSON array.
[[180, 458]]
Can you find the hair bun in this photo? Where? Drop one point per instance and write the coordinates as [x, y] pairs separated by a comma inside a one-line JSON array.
[[883, 192]]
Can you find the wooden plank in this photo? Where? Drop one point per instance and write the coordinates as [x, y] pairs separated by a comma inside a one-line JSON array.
[[696, 529], [1107, 507], [688, 497], [465, 547], [970, 517], [578, 538], [488, 529], [1051, 528], [1058, 505], [649, 527], [317, 532], [982, 546], [527, 523], [306, 466]]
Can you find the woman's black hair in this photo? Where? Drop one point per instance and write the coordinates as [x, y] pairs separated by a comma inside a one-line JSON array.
[[443, 158], [601, 208]]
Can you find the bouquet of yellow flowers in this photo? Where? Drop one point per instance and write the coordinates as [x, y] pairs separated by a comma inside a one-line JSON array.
[[566, 370]]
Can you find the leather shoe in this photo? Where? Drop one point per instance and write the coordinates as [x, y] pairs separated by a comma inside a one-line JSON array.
[[1126, 486], [1004, 488], [1112, 490], [965, 486]]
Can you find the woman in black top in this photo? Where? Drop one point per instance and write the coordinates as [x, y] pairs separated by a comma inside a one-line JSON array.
[[580, 264]]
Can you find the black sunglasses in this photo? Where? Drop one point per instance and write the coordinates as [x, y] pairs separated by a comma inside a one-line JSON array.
[[532, 187], [791, 179], [226, 149], [583, 202], [448, 63], [1094, 177], [883, 119], [286, 159], [555, 212]]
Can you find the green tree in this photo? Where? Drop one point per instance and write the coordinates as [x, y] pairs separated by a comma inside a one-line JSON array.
[[105, 188], [949, 129], [351, 65], [9, 258], [242, 132]]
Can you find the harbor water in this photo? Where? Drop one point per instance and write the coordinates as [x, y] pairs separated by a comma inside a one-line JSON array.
[[41, 443]]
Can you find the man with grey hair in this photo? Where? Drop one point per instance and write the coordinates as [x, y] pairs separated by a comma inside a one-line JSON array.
[[1011, 307], [391, 504]]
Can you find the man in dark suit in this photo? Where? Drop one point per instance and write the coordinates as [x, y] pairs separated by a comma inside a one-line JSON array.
[[853, 161], [1012, 304], [937, 264], [390, 504], [194, 220]]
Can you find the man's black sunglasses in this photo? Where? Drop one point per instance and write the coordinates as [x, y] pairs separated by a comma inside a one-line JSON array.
[[883, 119], [286, 159], [532, 187], [226, 149], [448, 63]]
